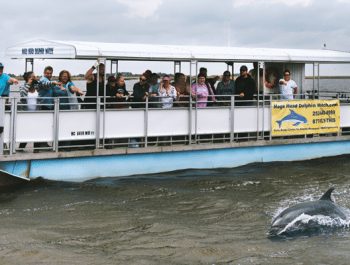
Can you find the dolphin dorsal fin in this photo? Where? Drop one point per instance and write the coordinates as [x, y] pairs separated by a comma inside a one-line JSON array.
[[292, 111], [327, 195]]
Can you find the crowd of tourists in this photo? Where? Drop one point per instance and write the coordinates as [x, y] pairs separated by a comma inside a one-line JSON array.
[[159, 92]]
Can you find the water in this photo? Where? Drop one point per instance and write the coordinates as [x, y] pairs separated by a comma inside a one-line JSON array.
[[216, 216]]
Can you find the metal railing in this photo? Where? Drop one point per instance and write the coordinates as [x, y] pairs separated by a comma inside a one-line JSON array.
[[230, 102]]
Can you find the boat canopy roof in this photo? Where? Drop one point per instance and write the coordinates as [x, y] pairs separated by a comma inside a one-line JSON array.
[[47, 49]]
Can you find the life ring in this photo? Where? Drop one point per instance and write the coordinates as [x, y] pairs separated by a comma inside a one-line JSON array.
[[270, 74]]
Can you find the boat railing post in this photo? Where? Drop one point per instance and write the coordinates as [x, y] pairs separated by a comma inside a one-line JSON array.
[[193, 62], [98, 121], [2, 124], [12, 100], [177, 63], [318, 81], [196, 108], [116, 67], [232, 114], [104, 104], [56, 123], [146, 122], [31, 61], [270, 136], [313, 81], [262, 64], [14, 106], [190, 119]]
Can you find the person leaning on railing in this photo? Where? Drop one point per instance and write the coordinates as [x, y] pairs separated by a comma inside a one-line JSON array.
[[244, 88], [140, 92], [226, 87], [116, 92], [71, 91], [288, 88], [183, 89], [167, 93], [153, 91], [30, 100], [201, 91]]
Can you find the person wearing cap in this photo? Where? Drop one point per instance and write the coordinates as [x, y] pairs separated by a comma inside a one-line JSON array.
[[5, 82], [288, 88], [153, 91], [140, 92], [167, 93], [244, 88]]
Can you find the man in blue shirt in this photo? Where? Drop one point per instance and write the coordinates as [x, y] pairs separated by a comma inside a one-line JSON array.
[[226, 87], [49, 93], [5, 82]]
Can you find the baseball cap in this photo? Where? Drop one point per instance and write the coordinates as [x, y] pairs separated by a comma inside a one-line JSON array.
[[243, 68], [1, 65]]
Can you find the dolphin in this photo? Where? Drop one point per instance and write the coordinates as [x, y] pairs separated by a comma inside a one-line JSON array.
[[293, 117], [324, 206]]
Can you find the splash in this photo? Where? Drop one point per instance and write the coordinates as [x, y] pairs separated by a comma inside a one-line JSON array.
[[305, 221]]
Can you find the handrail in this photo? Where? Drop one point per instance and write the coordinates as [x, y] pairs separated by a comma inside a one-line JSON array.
[[13, 109]]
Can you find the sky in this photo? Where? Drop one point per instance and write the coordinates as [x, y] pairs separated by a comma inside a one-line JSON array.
[[298, 24]]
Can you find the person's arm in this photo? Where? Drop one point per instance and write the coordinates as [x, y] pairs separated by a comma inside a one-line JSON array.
[[73, 89], [89, 75], [23, 90], [47, 85], [295, 91], [282, 82], [175, 93], [13, 81]]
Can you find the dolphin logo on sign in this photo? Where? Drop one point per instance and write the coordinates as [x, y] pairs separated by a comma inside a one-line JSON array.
[[293, 117]]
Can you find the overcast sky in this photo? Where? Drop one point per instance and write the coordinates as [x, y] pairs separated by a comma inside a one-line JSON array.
[[300, 24]]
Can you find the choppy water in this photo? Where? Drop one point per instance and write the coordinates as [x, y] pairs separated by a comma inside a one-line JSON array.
[[187, 217]]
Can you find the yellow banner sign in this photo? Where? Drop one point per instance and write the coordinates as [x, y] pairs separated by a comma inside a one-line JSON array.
[[305, 117]]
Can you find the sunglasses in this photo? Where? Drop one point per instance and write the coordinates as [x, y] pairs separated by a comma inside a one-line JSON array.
[[286, 75], [142, 79], [227, 75]]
